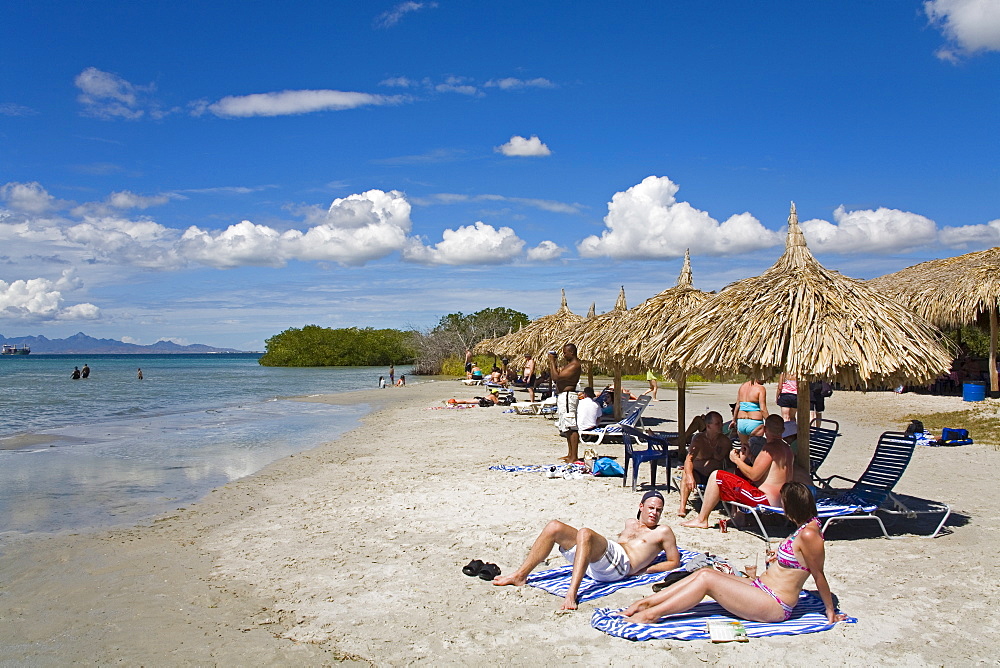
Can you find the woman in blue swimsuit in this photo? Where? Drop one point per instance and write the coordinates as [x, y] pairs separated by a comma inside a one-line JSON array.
[[769, 598], [750, 410]]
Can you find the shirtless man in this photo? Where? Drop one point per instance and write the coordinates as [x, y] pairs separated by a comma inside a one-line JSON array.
[[709, 452], [601, 559], [529, 376], [566, 379], [757, 484]]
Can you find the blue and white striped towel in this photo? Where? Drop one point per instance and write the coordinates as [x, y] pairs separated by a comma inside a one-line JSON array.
[[845, 504], [809, 616], [556, 580]]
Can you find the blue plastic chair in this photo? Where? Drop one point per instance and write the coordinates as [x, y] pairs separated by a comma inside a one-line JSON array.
[[655, 452]]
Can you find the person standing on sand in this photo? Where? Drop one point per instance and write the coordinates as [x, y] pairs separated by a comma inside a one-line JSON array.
[[528, 376], [468, 363], [566, 379], [750, 410], [85, 371], [392, 374], [653, 386], [756, 484], [139, 375], [599, 558]]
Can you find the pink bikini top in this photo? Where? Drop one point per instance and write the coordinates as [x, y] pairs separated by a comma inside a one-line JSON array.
[[785, 553]]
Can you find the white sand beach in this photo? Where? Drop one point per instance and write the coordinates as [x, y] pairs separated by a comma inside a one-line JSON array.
[[353, 551]]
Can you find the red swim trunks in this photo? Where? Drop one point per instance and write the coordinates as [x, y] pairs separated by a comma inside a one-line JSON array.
[[734, 488]]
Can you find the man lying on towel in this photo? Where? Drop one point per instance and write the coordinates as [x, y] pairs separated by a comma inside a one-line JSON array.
[[601, 559]]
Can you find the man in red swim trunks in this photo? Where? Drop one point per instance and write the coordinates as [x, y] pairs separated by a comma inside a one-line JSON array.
[[755, 484]]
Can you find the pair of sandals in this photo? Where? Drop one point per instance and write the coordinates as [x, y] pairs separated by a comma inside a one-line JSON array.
[[485, 571]]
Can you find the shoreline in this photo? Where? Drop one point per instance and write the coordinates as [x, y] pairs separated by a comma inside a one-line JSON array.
[[354, 549]]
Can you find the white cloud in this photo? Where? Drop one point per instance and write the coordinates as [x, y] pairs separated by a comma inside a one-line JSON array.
[[647, 222], [355, 230], [240, 245], [393, 16], [12, 109], [469, 244], [545, 251], [543, 204], [27, 197], [870, 231], [521, 147], [108, 96], [40, 299], [969, 25], [291, 102], [512, 83], [461, 85], [398, 82], [125, 199], [966, 236]]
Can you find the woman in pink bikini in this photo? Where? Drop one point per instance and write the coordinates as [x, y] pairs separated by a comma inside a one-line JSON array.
[[768, 598]]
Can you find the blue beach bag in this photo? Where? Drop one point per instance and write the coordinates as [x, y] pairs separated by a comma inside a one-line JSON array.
[[605, 466]]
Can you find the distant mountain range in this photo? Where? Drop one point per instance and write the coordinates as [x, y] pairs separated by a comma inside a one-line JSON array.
[[80, 343]]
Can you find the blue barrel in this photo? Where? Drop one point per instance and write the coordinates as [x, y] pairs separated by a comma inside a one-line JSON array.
[[973, 391]]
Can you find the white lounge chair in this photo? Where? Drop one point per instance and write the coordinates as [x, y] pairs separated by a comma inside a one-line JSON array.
[[632, 418]]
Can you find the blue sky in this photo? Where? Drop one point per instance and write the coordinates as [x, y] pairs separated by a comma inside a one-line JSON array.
[[217, 172]]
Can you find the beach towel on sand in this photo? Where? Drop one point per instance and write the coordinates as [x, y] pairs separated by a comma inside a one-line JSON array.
[[556, 580], [809, 616]]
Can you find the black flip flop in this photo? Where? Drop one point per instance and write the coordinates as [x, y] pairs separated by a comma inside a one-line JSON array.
[[489, 572], [676, 576], [473, 568]]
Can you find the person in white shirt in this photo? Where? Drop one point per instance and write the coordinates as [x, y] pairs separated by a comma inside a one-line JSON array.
[[588, 411]]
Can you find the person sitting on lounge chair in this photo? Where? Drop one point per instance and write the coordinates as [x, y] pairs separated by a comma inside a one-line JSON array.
[[709, 452], [607, 561], [768, 598], [757, 483]]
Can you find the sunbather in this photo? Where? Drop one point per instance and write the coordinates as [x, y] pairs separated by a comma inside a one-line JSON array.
[[601, 559], [709, 452], [757, 482], [768, 598]]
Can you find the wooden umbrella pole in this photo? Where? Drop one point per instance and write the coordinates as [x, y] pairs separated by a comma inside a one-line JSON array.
[[993, 348], [681, 418], [618, 393], [802, 412], [590, 374]]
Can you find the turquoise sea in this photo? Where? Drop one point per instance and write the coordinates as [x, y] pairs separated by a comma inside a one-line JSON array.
[[114, 450]]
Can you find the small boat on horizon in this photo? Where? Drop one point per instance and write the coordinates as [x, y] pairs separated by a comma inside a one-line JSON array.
[[9, 349]]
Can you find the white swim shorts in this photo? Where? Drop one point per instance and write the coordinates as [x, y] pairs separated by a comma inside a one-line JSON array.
[[612, 566], [566, 403]]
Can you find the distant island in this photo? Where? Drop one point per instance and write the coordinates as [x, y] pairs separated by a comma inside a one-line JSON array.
[[80, 343]]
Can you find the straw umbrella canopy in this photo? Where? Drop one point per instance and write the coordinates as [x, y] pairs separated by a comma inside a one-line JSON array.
[[549, 332], [952, 292], [811, 322], [640, 340], [593, 342]]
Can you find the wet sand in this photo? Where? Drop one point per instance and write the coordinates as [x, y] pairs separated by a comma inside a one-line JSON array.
[[354, 550]]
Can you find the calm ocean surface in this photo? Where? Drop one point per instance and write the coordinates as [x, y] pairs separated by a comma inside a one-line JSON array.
[[114, 450]]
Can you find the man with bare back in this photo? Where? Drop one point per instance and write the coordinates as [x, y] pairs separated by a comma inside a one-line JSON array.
[[759, 483], [601, 559], [566, 379]]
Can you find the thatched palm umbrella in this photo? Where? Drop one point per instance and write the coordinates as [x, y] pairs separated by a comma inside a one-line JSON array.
[[593, 342], [641, 339], [548, 332], [952, 292], [811, 322]]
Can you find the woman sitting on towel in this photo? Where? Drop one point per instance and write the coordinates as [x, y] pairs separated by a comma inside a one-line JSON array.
[[769, 598]]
